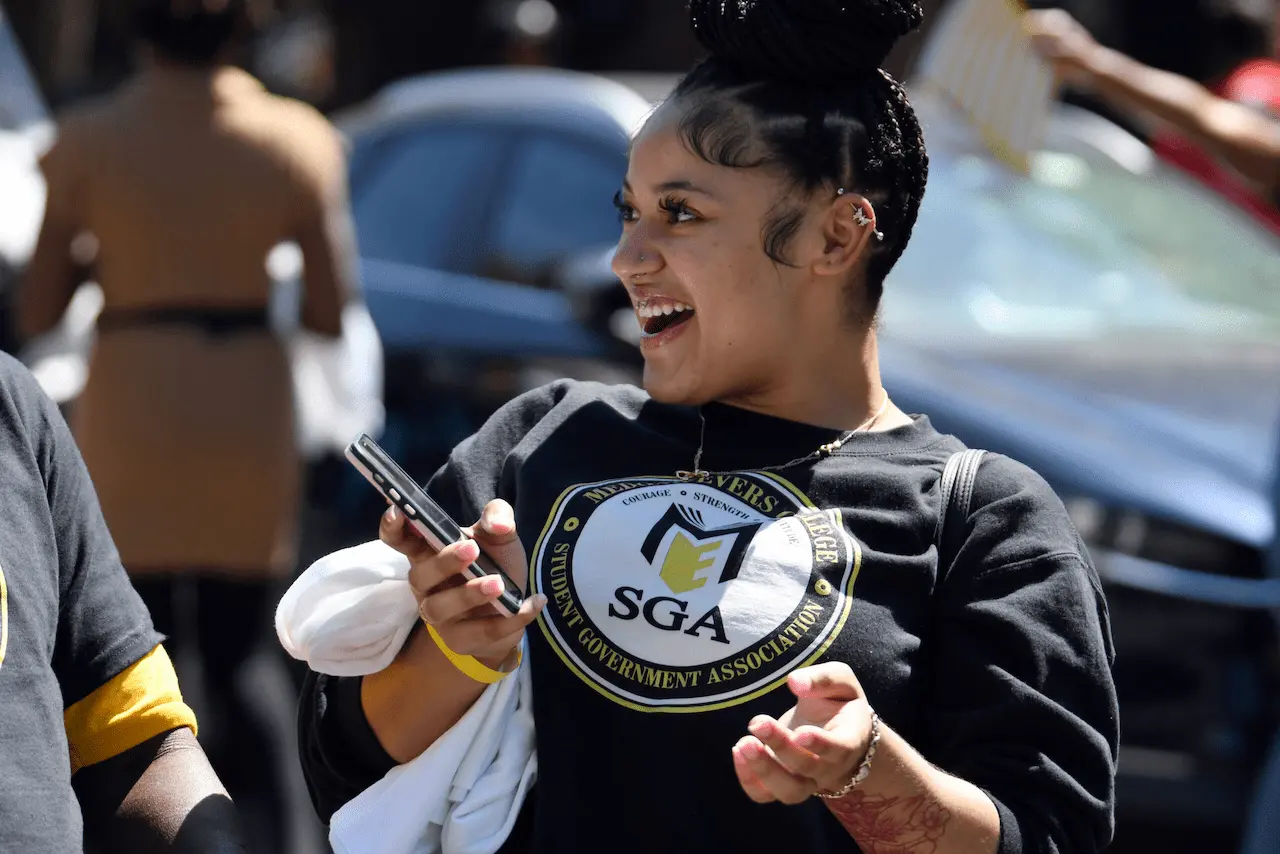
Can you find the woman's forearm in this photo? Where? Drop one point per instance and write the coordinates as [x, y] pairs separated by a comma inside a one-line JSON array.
[[161, 796], [417, 698], [907, 806], [1249, 142]]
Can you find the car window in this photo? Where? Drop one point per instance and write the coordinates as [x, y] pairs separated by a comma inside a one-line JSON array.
[[21, 104], [418, 194], [558, 200], [1081, 248]]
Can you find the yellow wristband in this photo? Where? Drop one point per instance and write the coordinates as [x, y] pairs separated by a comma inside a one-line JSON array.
[[470, 665]]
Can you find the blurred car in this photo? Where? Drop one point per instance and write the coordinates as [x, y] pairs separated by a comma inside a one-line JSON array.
[[1117, 327], [469, 189]]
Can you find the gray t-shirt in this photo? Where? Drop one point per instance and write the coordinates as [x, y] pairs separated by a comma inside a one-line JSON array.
[[70, 621]]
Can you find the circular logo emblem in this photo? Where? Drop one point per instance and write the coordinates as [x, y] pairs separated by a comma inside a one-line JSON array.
[[681, 597]]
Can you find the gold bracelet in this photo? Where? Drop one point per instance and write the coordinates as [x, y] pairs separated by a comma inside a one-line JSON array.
[[470, 665]]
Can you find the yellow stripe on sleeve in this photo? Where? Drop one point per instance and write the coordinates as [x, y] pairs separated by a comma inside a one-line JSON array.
[[140, 703]]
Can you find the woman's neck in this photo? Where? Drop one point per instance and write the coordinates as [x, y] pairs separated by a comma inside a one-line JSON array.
[[836, 386]]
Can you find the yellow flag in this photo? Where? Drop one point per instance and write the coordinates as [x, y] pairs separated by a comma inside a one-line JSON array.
[[980, 57]]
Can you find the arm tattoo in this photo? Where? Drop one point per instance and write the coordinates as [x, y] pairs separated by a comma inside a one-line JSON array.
[[896, 825]]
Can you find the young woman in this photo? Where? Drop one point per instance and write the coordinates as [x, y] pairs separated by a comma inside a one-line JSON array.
[[745, 638], [187, 177]]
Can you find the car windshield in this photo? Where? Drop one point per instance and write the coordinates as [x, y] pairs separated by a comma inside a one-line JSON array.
[[21, 106], [1082, 248], [485, 197]]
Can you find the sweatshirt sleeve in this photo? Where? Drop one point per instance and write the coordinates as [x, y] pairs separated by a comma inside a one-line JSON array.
[[340, 754], [1023, 702]]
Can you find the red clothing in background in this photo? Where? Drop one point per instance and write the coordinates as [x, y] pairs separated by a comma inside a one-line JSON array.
[[1257, 84]]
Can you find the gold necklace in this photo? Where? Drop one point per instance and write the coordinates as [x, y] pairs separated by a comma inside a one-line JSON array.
[[824, 450]]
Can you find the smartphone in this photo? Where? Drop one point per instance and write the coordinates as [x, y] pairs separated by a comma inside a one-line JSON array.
[[428, 518]]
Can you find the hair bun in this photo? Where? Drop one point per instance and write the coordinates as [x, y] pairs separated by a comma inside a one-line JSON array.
[[804, 40]]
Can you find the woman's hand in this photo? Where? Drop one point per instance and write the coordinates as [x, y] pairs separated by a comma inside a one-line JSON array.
[[1064, 43], [460, 608], [816, 746]]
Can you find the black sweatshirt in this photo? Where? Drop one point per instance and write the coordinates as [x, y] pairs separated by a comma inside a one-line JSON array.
[[677, 610]]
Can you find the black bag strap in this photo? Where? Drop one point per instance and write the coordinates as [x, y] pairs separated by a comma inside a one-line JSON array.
[[956, 487]]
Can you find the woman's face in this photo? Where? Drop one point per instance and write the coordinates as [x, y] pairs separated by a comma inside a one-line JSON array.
[[720, 319]]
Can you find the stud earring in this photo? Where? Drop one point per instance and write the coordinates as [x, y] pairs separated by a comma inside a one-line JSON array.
[[860, 216]]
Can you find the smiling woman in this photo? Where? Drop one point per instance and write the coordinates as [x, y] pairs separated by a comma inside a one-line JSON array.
[[738, 567]]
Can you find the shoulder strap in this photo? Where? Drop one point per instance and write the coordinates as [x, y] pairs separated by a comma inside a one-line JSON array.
[[956, 488]]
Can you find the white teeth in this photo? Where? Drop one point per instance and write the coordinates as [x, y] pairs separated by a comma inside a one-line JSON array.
[[648, 310]]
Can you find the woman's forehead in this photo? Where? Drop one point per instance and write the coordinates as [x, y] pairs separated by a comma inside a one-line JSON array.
[[661, 154]]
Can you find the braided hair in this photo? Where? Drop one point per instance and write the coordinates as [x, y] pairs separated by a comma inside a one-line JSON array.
[[796, 86]]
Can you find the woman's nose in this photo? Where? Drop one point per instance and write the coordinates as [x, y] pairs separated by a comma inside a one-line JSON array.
[[635, 257]]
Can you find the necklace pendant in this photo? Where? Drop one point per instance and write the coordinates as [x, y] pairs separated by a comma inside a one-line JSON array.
[[696, 474]]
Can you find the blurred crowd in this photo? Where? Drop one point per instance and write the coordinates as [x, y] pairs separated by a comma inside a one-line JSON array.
[[282, 161], [338, 52]]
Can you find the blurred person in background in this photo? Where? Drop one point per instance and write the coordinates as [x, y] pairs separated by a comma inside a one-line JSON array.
[[1224, 130], [527, 32], [675, 696], [186, 178]]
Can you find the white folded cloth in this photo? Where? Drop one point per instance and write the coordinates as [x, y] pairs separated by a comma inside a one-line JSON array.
[[349, 614]]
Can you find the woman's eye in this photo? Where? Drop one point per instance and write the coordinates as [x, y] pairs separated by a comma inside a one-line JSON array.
[[677, 210], [626, 213]]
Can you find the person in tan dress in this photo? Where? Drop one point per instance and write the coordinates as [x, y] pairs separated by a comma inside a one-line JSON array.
[[186, 178]]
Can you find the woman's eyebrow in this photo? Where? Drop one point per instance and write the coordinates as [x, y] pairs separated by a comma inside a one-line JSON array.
[[668, 186]]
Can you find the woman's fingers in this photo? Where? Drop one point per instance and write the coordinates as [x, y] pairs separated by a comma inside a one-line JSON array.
[[429, 571], [456, 602], [496, 533], [827, 758], [756, 790], [395, 531], [458, 605], [483, 635], [750, 755]]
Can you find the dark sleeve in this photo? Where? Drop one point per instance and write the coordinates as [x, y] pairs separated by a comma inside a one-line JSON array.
[[103, 625], [1023, 703], [341, 756]]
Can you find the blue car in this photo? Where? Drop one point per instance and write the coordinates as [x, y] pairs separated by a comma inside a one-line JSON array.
[[1104, 320]]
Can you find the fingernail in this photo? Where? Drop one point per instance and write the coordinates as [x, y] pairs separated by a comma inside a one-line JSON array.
[[491, 586], [759, 727], [468, 551], [493, 521], [540, 601], [750, 750], [393, 514], [801, 682]]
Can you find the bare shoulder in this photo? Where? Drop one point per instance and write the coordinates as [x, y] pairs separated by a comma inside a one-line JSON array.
[[87, 121], [306, 135]]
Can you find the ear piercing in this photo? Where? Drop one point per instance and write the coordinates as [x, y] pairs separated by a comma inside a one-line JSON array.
[[860, 215]]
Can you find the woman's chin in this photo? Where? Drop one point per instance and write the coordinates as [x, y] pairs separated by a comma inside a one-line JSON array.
[[668, 387]]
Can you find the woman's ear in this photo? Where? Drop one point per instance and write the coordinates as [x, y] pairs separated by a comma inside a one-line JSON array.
[[848, 229]]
